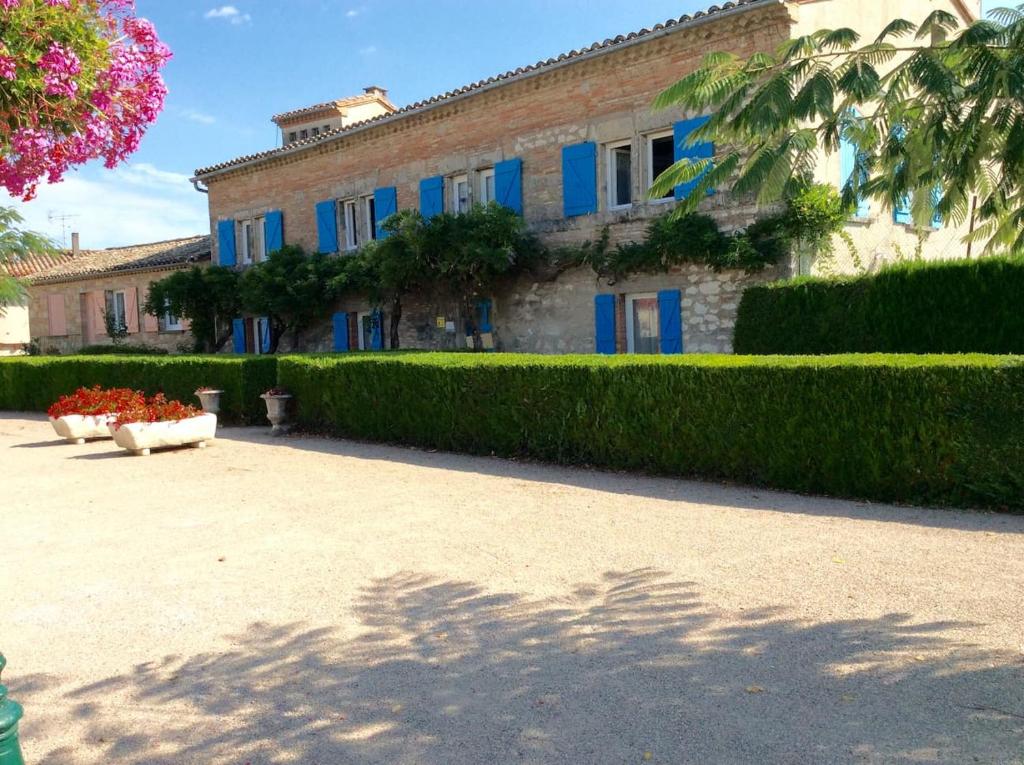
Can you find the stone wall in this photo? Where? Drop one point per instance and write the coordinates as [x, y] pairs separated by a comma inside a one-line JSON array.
[[82, 332]]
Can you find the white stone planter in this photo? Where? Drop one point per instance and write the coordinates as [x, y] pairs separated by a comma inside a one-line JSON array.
[[140, 437], [277, 413], [209, 400], [75, 428]]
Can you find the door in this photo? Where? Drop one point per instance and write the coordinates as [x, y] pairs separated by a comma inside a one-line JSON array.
[[642, 323]]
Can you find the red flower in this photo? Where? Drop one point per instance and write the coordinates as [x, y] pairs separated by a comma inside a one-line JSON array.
[[95, 401]]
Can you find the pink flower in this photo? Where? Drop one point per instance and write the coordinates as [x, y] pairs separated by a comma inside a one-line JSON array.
[[8, 67]]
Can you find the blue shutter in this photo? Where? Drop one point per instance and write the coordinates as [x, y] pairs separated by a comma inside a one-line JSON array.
[[484, 308], [264, 327], [670, 321], [604, 323], [901, 212], [431, 196], [226, 241], [508, 184], [847, 164], [273, 231], [376, 331], [703, 150], [579, 179], [340, 321], [385, 204], [327, 226], [238, 335]]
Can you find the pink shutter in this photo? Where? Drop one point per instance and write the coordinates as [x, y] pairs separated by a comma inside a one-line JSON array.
[[58, 319], [98, 326], [149, 322], [131, 309]]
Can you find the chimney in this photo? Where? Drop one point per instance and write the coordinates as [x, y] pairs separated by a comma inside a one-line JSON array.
[[374, 90], [74, 244]]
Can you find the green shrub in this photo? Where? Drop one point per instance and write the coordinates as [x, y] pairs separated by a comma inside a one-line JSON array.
[[896, 428], [122, 349], [33, 383], [956, 306]]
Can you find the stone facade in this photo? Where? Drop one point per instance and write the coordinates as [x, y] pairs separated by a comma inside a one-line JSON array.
[[604, 96]]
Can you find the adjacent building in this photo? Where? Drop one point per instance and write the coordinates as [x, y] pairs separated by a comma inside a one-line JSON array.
[[15, 334], [74, 302], [570, 143]]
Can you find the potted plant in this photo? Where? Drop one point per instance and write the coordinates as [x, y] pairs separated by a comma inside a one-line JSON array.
[[158, 422], [278, 401], [209, 399], [87, 412]]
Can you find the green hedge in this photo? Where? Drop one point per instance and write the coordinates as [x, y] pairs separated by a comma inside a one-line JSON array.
[[956, 306], [33, 383], [944, 430]]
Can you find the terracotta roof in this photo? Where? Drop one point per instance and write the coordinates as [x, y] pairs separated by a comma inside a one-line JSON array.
[[338, 103], [139, 257], [33, 264], [585, 52]]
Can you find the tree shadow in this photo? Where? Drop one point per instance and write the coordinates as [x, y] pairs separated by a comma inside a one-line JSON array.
[[640, 485], [445, 672]]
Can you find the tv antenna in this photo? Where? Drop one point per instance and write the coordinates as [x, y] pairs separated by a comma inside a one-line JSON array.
[[53, 217]]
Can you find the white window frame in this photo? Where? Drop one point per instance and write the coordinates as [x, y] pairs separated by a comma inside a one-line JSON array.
[[257, 253], [171, 326], [650, 139], [350, 223], [360, 340], [121, 325], [454, 182], [609, 149], [484, 175], [630, 299], [370, 218]]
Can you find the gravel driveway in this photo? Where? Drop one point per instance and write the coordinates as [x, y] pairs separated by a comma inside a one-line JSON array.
[[322, 602]]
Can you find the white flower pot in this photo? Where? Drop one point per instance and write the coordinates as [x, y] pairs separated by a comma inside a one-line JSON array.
[[140, 437], [75, 428], [277, 413], [209, 400]]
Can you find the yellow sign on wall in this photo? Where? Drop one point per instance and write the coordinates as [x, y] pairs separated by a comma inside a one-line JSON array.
[[440, 322]]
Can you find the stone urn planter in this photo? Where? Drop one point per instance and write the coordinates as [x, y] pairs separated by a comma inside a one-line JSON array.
[[140, 437], [76, 428], [209, 399], [278, 403]]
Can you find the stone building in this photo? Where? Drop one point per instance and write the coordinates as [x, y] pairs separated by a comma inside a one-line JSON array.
[[14, 322], [573, 145], [71, 301]]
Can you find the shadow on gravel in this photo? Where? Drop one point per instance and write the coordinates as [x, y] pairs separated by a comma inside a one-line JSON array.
[[633, 484], [446, 672]]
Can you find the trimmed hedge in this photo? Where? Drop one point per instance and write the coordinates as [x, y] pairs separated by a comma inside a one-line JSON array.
[[956, 306], [122, 349], [32, 383], [943, 430]]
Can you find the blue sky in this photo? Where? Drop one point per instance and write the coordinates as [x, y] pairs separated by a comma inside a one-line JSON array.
[[236, 64]]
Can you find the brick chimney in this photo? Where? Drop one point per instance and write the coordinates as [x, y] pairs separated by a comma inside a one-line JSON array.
[[75, 249]]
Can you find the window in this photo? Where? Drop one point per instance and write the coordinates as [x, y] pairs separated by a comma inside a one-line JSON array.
[[371, 217], [172, 323], [327, 128], [487, 186], [303, 134], [292, 136], [460, 194], [350, 222], [620, 175], [253, 248], [316, 132], [642, 323], [660, 157], [117, 313]]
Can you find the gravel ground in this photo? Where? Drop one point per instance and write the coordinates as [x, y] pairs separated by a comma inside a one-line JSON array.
[[320, 602]]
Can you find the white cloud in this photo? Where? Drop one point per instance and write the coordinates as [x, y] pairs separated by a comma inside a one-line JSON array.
[[197, 116], [229, 13], [352, 13], [134, 204], [369, 50]]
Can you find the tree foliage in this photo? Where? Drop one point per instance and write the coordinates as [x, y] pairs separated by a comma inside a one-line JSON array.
[[16, 243], [933, 109], [207, 297], [293, 289]]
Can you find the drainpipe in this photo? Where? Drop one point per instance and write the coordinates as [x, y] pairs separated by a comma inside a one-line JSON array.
[[196, 186]]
